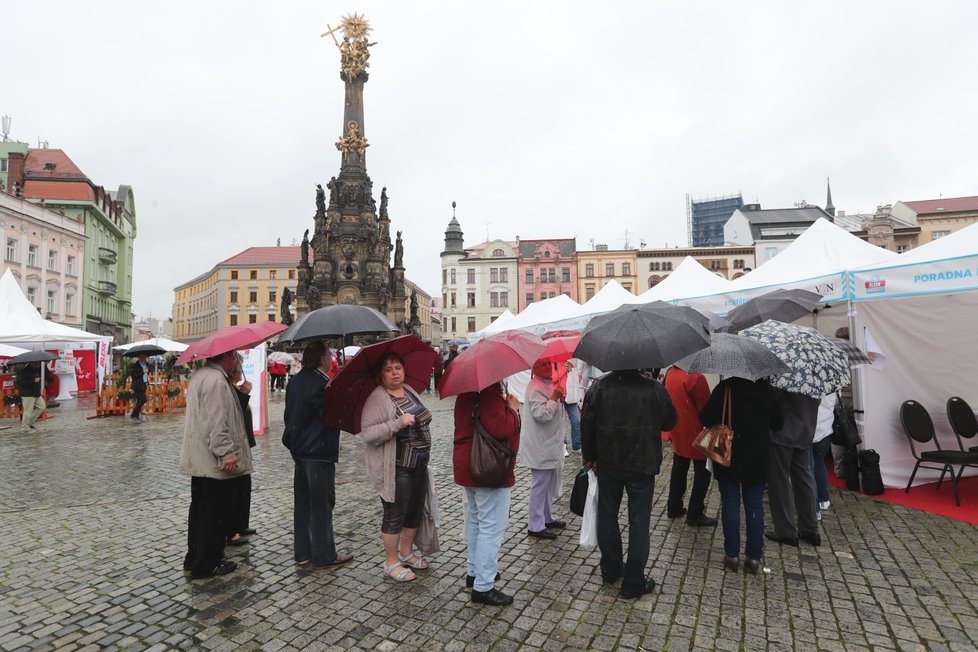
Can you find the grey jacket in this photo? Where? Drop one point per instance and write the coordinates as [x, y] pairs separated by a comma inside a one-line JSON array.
[[379, 422], [800, 417], [214, 426]]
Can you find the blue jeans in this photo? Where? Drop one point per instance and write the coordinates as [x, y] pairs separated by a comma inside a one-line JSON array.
[[488, 518], [574, 415], [819, 450], [753, 494], [611, 485], [314, 488]]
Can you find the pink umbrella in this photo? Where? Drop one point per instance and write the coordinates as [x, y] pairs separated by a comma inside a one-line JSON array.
[[490, 360], [232, 338]]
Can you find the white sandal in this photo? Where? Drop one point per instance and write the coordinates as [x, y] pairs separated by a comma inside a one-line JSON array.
[[419, 563], [404, 575]]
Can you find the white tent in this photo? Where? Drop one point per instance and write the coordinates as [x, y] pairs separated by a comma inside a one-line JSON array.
[[20, 321], [494, 327], [162, 342], [690, 279], [818, 260], [611, 296], [8, 351], [538, 317], [920, 309]]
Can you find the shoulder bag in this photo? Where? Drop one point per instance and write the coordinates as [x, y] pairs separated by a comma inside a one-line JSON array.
[[716, 441], [490, 459]]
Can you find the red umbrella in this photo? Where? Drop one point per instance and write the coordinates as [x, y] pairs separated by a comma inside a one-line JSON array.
[[232, 338], [349, 390], [490, 360], [561, 348]]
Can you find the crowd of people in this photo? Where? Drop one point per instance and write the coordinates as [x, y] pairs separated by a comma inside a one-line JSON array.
[[617, 422]]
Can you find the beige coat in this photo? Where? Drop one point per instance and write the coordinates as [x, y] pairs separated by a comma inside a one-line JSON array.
[[214, 426], [379, 422]]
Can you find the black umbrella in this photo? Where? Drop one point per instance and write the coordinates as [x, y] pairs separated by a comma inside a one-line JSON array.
[[734, 355], [682, 313], [637, 338], [144, 349], [33, 356], [779, 305], [336, 322]]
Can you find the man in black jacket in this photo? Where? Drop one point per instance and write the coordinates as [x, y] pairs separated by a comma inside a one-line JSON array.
[[139, 372], [622, 419], [315, 449], [29, 387]]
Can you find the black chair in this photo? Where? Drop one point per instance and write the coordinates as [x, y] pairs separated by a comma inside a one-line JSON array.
[[919, 428], [963, 421]]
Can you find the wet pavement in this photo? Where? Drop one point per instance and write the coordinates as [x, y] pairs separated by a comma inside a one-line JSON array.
[[93, 532]]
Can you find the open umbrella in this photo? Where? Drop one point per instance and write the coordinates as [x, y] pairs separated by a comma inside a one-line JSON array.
[[338, 321], [281, 357], [779, 305], [231, 338], [561, 347], [682, 313], [856, 355], [348, 391], [490, 360], [144, 349], [33, 356], [818, 366], [734, 355], [635, 338]]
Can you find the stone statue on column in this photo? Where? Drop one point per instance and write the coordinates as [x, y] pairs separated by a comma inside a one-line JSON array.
[[320, 199], [399, 252]]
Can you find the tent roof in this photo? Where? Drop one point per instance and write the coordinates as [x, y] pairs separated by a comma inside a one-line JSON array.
[[690, 279], [162, 342], [542, 312], [611, 296], [20, 321]]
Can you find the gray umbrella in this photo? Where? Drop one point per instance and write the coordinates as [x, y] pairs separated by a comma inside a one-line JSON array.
[[144, 349], [779, 305], [636, 338], [33, 356], [682, 313], [734, 355], [336, 322]]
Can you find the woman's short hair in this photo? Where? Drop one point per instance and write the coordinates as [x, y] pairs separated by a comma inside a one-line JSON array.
[[390, 356], [312, 355]]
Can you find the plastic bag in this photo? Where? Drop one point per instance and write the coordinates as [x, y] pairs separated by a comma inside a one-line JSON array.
[[589, 523]]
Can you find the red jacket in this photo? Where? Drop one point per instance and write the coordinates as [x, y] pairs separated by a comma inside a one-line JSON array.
[[499, 421], [276, 368], [689, 393]]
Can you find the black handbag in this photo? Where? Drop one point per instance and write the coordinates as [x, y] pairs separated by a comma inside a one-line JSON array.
[[869, 472], [850, 463], [579, 493], [490, 460], [845, 433]]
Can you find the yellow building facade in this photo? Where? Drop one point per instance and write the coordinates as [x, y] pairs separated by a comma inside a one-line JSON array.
[[596, 268]]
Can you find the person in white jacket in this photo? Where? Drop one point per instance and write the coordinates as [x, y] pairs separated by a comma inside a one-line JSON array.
[[542, 447]]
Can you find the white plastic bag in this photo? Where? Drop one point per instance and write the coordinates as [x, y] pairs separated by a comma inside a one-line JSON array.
[[589, 522]]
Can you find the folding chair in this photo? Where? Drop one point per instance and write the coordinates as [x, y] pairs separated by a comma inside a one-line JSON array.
[[919, 428], [963, 421]]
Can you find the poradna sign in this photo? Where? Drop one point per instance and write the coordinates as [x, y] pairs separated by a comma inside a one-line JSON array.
[[942, 276]]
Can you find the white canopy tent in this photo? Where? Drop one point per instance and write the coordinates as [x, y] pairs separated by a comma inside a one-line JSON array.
[[539, 317], [162, 342], [690, 279], [611, 296], [21, 323], [504, 317], [920, 309], [8, 351]]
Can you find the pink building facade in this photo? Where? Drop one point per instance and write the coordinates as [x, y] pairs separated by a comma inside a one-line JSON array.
[[546, 268]]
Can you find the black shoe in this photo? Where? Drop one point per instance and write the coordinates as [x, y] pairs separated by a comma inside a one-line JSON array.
[[492, 597], [752, 566], [701, 521], [681, 512], [556, 525], [470, 580], [542, 534], [647, 588], [731, 563], [223, 568], [607, 579], [240, 541], [788, 541], [814, 538], [248, 530]]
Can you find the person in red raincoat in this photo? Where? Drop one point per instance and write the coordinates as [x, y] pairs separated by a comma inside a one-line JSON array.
[[690, 394]]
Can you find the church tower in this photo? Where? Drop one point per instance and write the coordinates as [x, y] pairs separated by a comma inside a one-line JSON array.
[[351, 243]]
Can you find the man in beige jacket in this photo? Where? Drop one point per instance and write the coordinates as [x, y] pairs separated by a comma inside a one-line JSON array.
[[215, 450]]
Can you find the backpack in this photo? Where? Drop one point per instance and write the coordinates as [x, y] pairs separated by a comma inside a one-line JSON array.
[[869, 472]]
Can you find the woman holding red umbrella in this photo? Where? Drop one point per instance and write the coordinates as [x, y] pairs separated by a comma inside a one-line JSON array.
[[395, 430]]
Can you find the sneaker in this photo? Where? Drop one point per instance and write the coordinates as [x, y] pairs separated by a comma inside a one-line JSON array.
[[824, 505], [818, 515], [135, 419], [566, 453]]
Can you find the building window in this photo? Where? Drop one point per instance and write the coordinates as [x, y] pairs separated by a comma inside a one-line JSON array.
[[32, 296], [902, 248], [565, 274], [529, 277], [589, 292], [32, 255], [471, 324], [444, 300], [627, 286], [291, 273], [52, 260], [52, 301], [234, 320], [546, 254], [271, 296], [770, 252], [609, 269], [714, 265], [444, 277], [69, 304], [552, 274], [253, 296], [454, 326], [252, 319], [934, 235], [470, 276], [494, 275], [253, 275], [529, 298], [234, 296], [70, 267], [453, 299], [667, 267], [11, 250], [453, 276], [589, 270], [498, 252], [626, 269], [551, 295], [470, 302], [503, 299], [234, 275], [273, 274], [503, 275], [493, 299]]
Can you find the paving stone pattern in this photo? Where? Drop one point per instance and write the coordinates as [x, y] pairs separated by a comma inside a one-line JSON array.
[[93, 532]]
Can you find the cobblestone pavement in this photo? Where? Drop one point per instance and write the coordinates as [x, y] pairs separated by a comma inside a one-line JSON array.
[[93, 530]]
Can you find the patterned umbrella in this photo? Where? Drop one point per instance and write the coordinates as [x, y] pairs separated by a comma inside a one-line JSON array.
[[734, 355], [818, 366]]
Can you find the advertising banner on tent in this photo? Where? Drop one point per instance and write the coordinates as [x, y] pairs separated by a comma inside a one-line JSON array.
[[253, 367], [950, 275], [832, 287]]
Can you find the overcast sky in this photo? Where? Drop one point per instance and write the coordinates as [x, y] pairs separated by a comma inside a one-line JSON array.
[[541, 119]]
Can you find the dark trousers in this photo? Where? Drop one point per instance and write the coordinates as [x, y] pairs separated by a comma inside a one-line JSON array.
[[241, 507], [677, 486], [140, 402], [611, 485], [314, 488], [753, 495], [410, 490], [211, 502], [791, 492]]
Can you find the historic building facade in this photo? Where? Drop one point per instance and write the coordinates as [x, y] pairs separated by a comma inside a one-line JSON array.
[[595, 268], [937, 218], [655, 265], [45, 251], [546, 268]]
